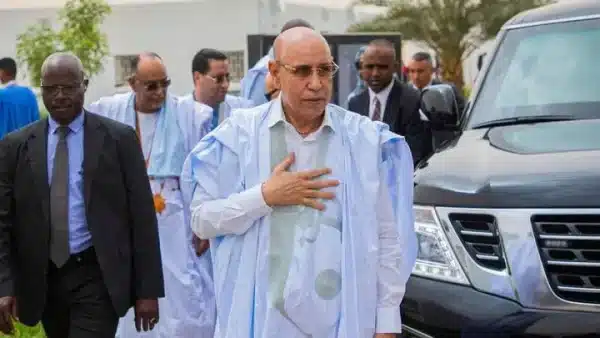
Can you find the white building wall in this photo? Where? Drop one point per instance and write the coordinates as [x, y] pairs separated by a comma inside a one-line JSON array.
[[177, 30]]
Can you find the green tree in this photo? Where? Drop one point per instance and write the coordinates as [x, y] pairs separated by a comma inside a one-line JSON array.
[[80, 33], [451, 28]]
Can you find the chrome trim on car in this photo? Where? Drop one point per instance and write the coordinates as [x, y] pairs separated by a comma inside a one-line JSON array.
[[553, 21], [524, 279], [415, 332]]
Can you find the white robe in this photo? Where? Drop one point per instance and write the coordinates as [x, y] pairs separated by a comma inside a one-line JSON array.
[[225, 108], [188, 309], [285, 272]]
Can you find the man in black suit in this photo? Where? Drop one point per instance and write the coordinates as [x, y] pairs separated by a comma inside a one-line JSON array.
[[78, 233], [420, 72], [390, 101]]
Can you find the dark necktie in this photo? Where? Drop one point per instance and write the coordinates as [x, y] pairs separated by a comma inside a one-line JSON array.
[[376, 109], [59, 201]]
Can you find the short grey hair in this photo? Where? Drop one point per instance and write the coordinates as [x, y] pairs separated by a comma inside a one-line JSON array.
[[63, 57]]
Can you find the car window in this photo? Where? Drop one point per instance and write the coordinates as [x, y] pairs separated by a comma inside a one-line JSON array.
[[543, 70]]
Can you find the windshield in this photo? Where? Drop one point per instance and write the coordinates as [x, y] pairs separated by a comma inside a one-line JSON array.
[[551, 69]]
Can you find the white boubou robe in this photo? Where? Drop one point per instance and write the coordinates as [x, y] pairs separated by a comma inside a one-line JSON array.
[[225, 108], [293, 271], [188, 309]]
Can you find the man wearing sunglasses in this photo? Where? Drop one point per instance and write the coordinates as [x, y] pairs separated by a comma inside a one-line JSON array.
[[168, 129], [308, 208], [210, 72]]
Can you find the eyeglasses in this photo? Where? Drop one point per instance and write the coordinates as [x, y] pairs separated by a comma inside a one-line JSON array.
[[156, 85], [220, 78], [326, 70], [67, 90]]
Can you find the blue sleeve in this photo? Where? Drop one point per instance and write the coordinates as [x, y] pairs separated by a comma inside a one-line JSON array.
[[253, 87]]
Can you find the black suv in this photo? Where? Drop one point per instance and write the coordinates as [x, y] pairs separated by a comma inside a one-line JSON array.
[[507, 210]]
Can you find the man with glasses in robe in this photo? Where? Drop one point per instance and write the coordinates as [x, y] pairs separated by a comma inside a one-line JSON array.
[[210, 72], [168, 129], [308, 209]]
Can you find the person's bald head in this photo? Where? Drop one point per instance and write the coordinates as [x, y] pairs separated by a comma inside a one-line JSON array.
[[297, 38], [64, 62], [63, 86], [303, 70], [149, 81], [379, 64], [294, 23], [147, 62]]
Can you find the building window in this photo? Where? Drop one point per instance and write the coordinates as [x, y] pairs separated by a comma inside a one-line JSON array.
[[123, 69], [236, 65]]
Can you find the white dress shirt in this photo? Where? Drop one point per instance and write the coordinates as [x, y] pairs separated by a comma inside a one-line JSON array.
[[147, 123], [237, 213], [382, 96]]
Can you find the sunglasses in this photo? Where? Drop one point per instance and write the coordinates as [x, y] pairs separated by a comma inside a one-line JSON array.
[[326, 70], [220, 78], [152, 86]]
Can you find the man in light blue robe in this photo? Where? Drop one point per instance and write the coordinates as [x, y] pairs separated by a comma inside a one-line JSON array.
[[168, 128], [18, 104], [210, 72], [253, 84], [360, 84], [308, 208]]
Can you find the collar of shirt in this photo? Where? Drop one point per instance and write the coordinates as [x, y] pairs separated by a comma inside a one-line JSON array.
[[276, 115], [382, 96], [75, 125], [417, 88]]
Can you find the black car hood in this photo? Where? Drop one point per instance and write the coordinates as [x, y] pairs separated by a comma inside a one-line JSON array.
[[544, 165]]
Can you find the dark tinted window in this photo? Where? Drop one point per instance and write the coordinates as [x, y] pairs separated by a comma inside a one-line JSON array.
[[551, 69]]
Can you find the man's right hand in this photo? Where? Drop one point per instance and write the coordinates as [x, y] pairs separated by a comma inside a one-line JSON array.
[[297, 188], [8, 312]]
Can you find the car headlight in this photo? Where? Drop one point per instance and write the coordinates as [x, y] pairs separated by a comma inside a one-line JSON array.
[[435, 258]]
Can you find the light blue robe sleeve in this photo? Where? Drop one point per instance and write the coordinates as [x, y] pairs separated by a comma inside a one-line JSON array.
[[238, 102], [195, 121], [253, 86], [221, 203], [397, 160]]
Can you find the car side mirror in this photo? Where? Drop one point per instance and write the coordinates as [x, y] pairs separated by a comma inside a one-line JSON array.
[[438, 103]]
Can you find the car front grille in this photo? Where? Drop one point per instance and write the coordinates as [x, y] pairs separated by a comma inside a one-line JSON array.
[[480, 236], [569, 246]]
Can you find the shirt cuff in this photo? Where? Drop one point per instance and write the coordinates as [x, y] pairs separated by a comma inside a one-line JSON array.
[[388, 320], [253, 200]]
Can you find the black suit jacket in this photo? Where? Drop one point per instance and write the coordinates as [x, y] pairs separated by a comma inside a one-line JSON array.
[[402, 115], [119, 209]]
